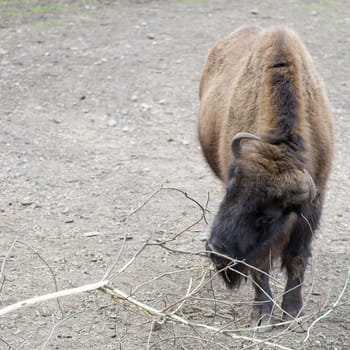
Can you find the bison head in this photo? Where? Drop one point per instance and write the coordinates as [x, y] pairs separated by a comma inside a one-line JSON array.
[[267, 186]]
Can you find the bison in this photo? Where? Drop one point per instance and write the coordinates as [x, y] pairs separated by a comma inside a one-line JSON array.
[[266, 130]]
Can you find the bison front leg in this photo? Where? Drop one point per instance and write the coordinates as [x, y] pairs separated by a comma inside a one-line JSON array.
[[294, 259], [262, 308], [292, 303]]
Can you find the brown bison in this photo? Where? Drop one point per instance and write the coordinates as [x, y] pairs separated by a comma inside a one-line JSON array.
[[266, 130]]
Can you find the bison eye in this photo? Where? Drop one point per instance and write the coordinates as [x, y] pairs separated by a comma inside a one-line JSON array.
[[268, 216], [264, 221]]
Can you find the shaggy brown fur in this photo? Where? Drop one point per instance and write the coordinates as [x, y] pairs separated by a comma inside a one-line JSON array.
[[264, 82], [238, 93]]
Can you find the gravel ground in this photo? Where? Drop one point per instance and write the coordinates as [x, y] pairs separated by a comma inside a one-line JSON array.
[[98, 103]]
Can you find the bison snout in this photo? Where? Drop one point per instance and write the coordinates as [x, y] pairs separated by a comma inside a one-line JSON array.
[[216, 251]]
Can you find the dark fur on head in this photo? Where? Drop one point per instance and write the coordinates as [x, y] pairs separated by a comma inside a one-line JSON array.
[[256, 219]]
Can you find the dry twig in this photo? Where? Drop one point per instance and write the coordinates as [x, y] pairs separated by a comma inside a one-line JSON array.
[[50, 296]]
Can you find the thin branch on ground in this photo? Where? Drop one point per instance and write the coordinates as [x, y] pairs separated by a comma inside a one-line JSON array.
[[119, 295], [50, 296], [175, 312], [50, 270], [200, 339], [7, 344], [116, 261], [109, 273], [2, 276], [336, 303], [52, 331]]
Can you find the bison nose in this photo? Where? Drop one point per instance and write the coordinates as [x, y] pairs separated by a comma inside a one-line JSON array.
[[214, 249], [214, 246]]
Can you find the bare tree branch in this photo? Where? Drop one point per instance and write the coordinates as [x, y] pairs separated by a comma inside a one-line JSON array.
[[42, 298], [2, 276], [336, 303]]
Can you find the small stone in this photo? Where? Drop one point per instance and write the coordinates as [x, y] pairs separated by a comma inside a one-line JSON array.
[[254, 12], [133, 98], [156, 326], [145, 106], [313, 13], [99, 62], [162, 102], [127, 238], [64, 336], [203, 237], [111, 123], [150, 36], [26, 203], [92, 234]]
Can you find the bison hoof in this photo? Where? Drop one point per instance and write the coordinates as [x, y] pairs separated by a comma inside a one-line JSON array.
[[293, 316], [292, 312], [261, 322]]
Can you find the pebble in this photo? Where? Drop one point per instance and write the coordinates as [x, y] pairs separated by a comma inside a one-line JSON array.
[[254, 12], [26, 203], [102, 60], [111, 123], [203, 237], [133, 98], [156, 326], [146, 106], [150, 36], [92, 234], [127, 238]]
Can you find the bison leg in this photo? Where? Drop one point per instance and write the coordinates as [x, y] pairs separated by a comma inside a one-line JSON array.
[[292, 303], [262, 308]]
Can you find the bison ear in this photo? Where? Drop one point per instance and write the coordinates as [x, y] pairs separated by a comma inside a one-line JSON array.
[[310, 191], [236, 142]]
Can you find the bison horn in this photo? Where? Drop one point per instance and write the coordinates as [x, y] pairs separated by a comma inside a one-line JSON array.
[[307, 196], [236, 146]]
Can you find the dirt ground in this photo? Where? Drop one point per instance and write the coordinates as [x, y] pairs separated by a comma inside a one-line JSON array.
[[98, 103]]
